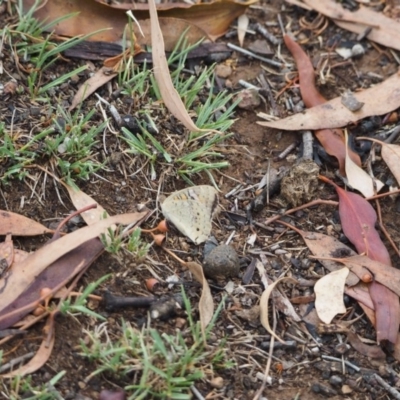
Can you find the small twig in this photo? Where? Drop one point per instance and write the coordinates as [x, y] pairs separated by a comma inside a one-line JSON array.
[[307, 145], [302, 207], [70, 216], [281, 24], [253, 55], [285, 152], [112, 302], [393, 136], [248, 85], [392, 391], [267, 184], [348, 363], [15, 361], [268, 35], [197, 394], [270, 353]]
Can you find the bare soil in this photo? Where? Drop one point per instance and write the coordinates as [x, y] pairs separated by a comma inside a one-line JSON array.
[[298, 371]]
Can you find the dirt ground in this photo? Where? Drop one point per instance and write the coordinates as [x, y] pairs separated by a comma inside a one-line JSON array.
[[299, 370]]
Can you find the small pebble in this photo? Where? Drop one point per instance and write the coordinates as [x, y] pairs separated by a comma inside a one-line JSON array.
[[323, 390], [223, 71], [217, 382], [335, 380], [249, 99], [222, 262], [350, 101], [342, 348], [346, 389]]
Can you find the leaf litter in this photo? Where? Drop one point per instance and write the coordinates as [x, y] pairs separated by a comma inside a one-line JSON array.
[[364, 272]]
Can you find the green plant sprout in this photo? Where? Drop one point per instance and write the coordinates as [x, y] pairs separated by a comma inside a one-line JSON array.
[[29, 41], [115, 241], [78, 306], [23, 388], [154, 365]]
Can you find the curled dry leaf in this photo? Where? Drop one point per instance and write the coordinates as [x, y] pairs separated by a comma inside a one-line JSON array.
[[206, 303], [80, 200], [54, 277], [329, 292], [214, 17], [378, 100], [358, 179], [264, 306], [327, 246], [101, 77], [360, 292], [281, 302], [362, 348], [18, 225], [168, 92]]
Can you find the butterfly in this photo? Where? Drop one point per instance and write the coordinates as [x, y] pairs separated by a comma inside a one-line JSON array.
[[191, 210]]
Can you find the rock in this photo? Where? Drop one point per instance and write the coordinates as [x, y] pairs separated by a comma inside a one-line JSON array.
[[249, 99], [222, 262], [346, 389], [223, 71], [323, 389], [217, 382], [335, 380], [342, 348], [350, 101]]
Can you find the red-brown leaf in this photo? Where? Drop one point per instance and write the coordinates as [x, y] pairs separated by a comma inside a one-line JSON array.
[[358, 220], [331, 139]]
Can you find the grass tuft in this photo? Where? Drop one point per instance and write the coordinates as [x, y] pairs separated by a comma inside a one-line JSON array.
[[150, 364]]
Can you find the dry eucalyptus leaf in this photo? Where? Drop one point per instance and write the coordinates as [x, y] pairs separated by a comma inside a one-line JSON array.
[[100, 78], [80, 200], [359, 179], [168, 92], [378, 100], [23, 274], [18, 225], [329, 292], [206, 304]]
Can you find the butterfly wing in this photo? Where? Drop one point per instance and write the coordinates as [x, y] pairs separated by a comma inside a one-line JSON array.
[[190, 211]]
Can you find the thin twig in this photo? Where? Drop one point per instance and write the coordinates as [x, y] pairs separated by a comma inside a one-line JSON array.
[[348, 363], [15, 361], [253, 55], [302, 207], [392, 391], [271, 350]]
